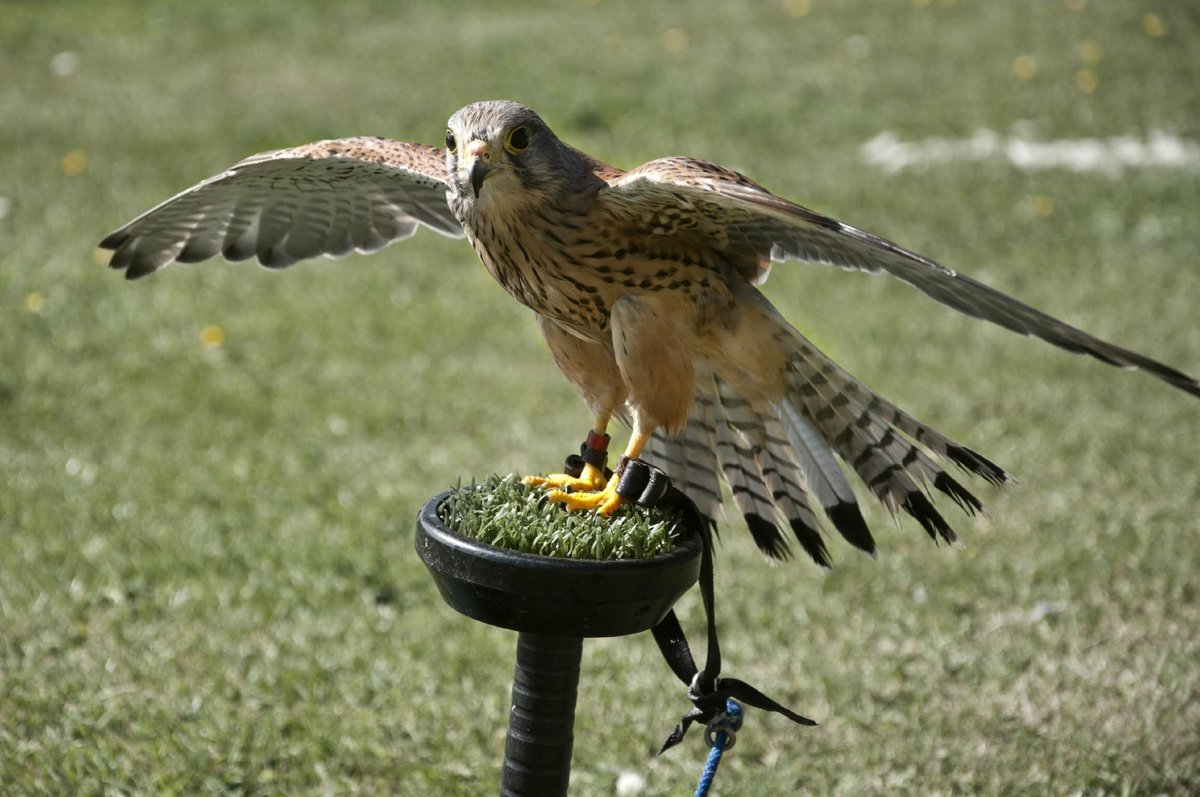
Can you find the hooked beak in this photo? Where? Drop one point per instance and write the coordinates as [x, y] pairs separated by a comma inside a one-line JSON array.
[[479, 164]]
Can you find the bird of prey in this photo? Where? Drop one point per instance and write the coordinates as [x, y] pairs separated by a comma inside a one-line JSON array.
[[644, 288]]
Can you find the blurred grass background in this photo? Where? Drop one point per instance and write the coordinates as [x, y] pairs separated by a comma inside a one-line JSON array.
[[208, 479]]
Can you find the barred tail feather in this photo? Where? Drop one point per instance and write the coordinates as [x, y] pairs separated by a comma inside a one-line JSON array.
[[889, 415], [780, 457], [690, 458], [826, 478], [778, 468], [882, 443], [892, 469], [762, 451], [750, 494]]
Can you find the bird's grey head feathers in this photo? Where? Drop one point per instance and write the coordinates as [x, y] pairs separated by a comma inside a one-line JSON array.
[[506, 146]]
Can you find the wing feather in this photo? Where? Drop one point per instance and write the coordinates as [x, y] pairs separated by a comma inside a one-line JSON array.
[[759, 227], [287, 205]]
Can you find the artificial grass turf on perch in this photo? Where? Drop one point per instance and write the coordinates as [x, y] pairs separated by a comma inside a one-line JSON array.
[[508, 514]]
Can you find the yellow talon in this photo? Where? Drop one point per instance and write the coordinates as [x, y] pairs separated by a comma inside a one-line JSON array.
[[604, 501], [591, 479], [590, 490]]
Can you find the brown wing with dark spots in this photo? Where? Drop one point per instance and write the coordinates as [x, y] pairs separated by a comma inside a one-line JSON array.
[[757, 227]]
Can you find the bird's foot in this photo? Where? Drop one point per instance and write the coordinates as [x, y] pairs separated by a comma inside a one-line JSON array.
[[589, 490], [603, 501], [590, 479]]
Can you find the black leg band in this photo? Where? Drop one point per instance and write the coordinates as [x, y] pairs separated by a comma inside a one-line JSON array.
[[593, 451]]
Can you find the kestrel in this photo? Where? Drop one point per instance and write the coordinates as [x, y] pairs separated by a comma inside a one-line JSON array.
[[643, 285]]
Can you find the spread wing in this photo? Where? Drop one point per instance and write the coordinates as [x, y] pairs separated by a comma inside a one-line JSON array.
[[326, 198], [755, 227]]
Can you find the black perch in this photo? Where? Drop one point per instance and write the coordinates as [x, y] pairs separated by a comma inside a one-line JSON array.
[[541, 722], [553, 605]]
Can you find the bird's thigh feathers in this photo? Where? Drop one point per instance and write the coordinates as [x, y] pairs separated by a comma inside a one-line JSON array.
[[653, 341], [588, 365]]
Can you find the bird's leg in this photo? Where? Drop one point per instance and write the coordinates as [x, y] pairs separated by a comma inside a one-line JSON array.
[[592, 477], [604, 500]]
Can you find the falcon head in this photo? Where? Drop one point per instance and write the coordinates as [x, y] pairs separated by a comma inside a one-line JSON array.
[[500, 150]]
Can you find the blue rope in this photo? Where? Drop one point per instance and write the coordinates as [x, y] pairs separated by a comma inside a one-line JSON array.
[[720, 735]]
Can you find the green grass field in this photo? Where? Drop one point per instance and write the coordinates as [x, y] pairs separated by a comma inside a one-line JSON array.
[[209, 478]]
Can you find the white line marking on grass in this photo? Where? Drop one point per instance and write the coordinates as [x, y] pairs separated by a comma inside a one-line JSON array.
[[1108, 156]]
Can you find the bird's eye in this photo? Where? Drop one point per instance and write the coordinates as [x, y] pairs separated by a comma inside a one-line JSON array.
[[517, 140], [451, 144]]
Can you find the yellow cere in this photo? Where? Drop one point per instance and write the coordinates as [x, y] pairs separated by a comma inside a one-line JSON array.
[[34, 302], [1153, 26]]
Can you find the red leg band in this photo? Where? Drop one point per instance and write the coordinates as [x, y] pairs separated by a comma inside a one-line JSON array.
[[597, 442]]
